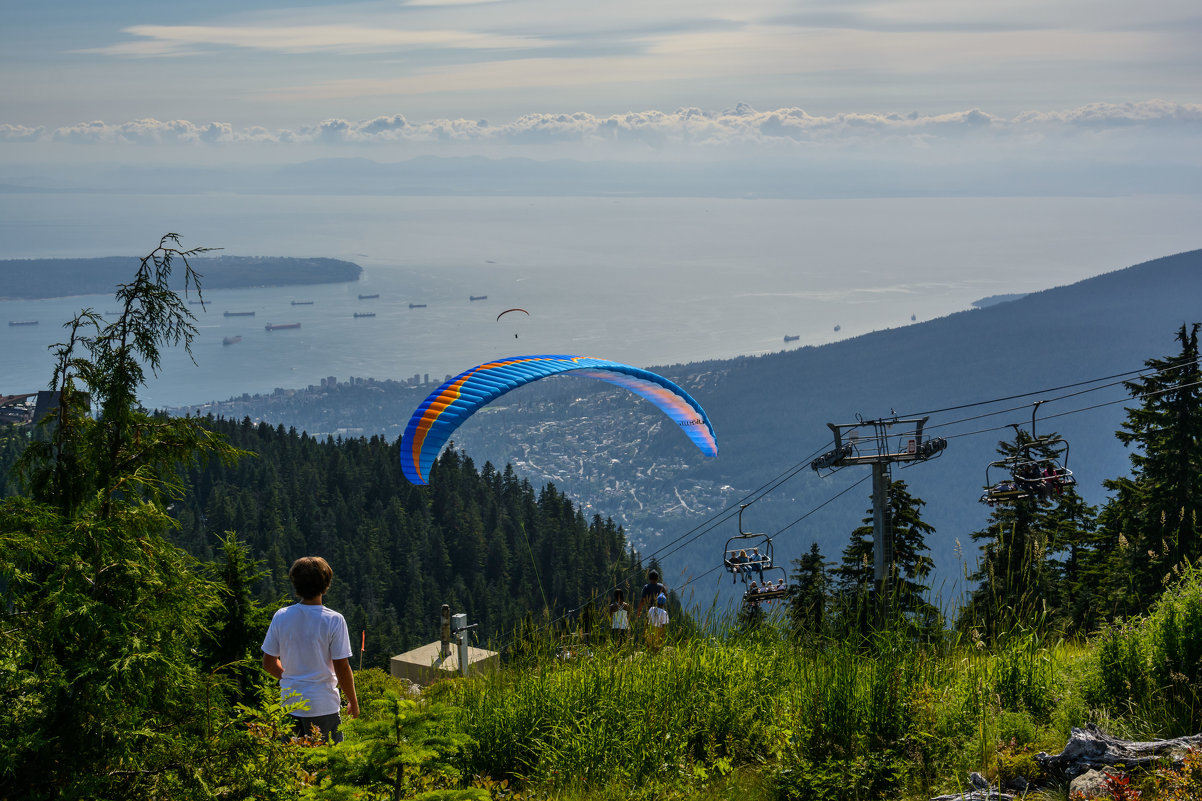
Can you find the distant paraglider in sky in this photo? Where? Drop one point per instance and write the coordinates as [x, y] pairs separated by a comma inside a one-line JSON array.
[[511, 311], [449, 406]]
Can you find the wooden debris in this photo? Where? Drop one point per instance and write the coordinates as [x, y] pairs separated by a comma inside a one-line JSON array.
[[1092, 749]]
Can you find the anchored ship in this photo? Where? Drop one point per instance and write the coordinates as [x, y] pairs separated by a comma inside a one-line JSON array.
[[369, 297], [234, 340], [365, 314], [239, 314], [280, 326]]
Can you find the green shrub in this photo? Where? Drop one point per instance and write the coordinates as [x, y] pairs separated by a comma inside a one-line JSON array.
[[1152, 667]]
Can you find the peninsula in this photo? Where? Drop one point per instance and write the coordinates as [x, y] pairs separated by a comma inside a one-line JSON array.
[[52, 278]]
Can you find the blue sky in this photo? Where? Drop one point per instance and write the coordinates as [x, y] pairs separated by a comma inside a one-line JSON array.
[[895, 79]]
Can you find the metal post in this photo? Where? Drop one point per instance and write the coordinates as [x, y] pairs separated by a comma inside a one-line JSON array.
[[445, 650], [459, 625], [882, 536]]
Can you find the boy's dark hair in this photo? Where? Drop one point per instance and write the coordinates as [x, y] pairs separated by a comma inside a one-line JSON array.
[[619, 596], [310, 576], [653, 576]]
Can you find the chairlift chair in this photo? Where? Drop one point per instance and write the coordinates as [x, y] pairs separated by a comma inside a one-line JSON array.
[[748, 543], [771, 589], [1039, 471]]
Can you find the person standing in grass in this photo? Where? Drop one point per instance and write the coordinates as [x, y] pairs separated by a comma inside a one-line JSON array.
[[619, 615], [308, 649], [657, 620], [651, 590]]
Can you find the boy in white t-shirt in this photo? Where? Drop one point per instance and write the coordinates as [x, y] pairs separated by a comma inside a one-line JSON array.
[[308, 648]]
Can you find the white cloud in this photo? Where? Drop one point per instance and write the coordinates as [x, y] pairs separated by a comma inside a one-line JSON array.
[[156, 132], [740, 130], [20, 133]]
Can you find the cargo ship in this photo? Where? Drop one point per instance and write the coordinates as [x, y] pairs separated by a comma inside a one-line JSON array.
[[792, 337], [417, 305], [369, 297], [477, 297], [302, 303], [239, 314], [280, 326], [231, 340], [22, 322], [365, 314]]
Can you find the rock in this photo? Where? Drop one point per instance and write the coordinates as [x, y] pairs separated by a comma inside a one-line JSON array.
[[1091, 784]]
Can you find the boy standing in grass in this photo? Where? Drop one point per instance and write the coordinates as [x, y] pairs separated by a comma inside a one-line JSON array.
[[657, 618], [308, 648]]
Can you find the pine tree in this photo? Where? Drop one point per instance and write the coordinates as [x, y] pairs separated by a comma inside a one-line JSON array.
[[1032, 548], [105, 693], [1150, 526], [810, 587], [857, 602]]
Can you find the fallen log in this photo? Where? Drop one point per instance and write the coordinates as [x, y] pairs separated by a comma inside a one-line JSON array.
[[1092, 749]]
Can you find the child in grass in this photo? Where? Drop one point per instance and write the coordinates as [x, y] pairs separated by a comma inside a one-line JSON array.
[[619, 614], [308, 649], [657, 619]]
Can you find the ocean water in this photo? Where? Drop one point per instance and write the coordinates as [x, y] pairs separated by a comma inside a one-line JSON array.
[[647, 281]]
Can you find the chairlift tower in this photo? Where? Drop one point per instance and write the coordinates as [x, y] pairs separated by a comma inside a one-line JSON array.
[[880, 443]]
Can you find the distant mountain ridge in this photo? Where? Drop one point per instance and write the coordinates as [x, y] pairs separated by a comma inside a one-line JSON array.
[[54, 278]]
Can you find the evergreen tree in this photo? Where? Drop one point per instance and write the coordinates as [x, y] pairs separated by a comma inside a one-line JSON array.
[[1032, 548], [1073, 536], [104, 693], [1150, 526], [854, 600], [809, 590], [856, 597]]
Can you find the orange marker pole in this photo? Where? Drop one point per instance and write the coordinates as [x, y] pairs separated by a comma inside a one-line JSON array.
[[362, 644]]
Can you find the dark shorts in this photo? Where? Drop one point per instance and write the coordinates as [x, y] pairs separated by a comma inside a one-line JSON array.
[[326, 724]]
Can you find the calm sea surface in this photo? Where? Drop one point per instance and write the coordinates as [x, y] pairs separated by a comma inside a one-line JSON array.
[[643, 280]]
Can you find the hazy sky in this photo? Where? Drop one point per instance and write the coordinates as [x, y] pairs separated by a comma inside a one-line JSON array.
[[894, 78]]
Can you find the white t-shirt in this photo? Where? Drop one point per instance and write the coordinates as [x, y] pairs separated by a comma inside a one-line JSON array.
[[658, 616], [308, 638]]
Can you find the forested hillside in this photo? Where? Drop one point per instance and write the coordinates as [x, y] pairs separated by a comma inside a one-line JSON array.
[[486, 542]]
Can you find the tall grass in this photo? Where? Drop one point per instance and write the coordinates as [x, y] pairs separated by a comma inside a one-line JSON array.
[[1150, 669], [825, 719]]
